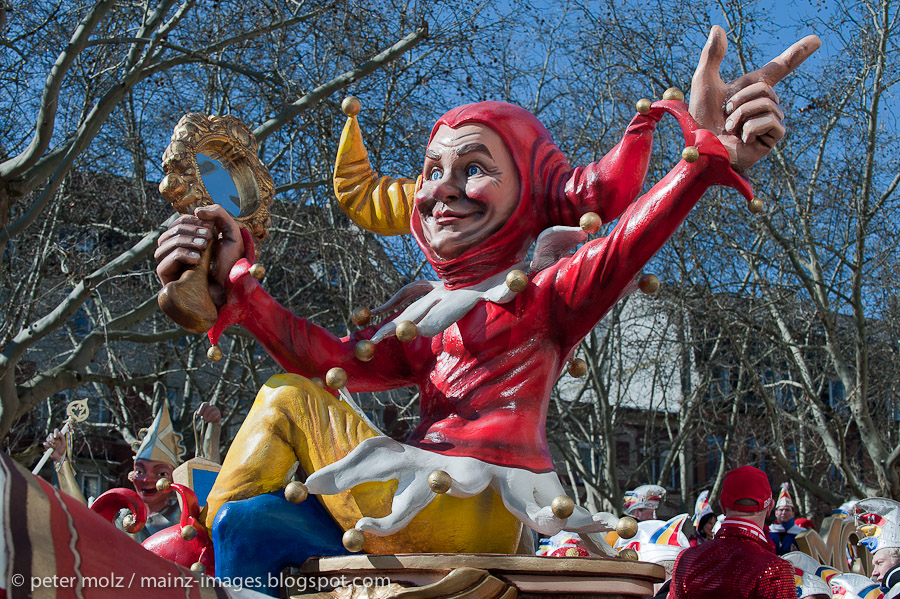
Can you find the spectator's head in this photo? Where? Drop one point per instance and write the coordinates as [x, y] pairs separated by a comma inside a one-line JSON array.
[[746, 494], [707, 521], [883, 561], [641, 503], [784, 507]]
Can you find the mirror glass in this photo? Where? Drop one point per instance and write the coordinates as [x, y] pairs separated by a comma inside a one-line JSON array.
[[219, 184]]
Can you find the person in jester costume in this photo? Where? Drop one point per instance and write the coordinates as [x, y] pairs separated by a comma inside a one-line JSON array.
[[485, 343], [784, 530]]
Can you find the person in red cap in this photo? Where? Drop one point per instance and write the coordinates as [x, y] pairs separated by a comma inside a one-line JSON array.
[[740, 562]]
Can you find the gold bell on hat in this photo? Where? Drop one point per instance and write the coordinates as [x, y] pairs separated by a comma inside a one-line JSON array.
[[351, 106], [649, 284], [361, 316], [577, 367]]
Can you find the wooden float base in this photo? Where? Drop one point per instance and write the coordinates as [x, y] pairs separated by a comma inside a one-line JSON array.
[[476, 576]]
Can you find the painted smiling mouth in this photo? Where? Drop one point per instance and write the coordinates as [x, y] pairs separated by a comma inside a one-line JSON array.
[[449, 216]]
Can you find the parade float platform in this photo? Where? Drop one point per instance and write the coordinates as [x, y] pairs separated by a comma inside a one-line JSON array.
[[483, 576]]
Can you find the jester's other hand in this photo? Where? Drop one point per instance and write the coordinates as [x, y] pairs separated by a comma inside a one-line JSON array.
[[209, 413], [180, 246], [743, 113], [527, 495]]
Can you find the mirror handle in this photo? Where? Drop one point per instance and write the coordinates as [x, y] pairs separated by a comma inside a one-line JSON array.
[[187, 300]]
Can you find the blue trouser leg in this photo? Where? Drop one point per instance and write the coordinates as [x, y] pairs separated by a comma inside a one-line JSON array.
[[254, 539]]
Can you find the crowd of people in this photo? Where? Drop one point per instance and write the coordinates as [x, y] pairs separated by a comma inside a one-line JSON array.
[[735, 554]]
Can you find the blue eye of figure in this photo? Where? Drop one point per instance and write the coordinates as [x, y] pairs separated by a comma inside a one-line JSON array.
[[435, 175], [473, 170]]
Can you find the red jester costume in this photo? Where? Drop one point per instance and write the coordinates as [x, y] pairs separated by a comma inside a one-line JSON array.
[[485, 377]]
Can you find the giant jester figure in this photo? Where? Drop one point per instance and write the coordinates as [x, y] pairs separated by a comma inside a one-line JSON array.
[[484, 344]]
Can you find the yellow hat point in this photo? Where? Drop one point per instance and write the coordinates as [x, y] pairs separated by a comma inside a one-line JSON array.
[[351, 106], [131, 525], [756, 206], [643, 106]]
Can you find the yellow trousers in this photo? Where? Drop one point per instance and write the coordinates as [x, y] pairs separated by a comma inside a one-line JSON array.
[[293, 419]]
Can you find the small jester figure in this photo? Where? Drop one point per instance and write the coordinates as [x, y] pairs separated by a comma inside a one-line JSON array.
[[484, 344], [157, 454]]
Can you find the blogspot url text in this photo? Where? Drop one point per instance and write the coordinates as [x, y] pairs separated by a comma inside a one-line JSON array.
[[169, 581]]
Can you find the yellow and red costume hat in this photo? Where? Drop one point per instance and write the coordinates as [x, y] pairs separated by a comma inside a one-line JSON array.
[[784, 497]]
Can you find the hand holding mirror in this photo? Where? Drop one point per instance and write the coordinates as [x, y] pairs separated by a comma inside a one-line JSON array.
[[211, 160]]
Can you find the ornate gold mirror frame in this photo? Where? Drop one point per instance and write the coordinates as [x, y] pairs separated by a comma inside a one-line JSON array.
[[228, 140]]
